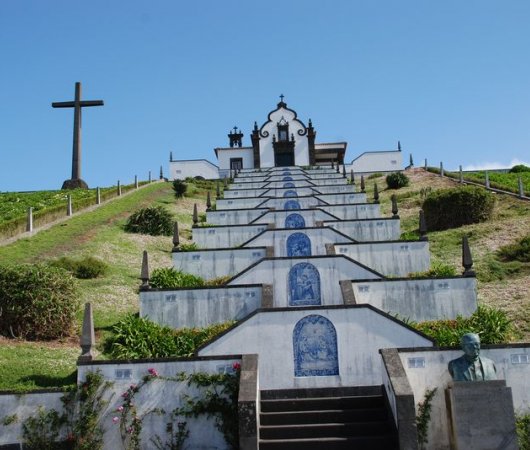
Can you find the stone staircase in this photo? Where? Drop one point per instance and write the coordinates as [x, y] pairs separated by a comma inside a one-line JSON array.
[[328, 418]]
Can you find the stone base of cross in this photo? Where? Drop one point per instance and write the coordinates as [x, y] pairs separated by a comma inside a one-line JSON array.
[[75, 184]]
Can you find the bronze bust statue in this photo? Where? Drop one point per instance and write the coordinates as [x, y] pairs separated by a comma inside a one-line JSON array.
[[470, 366]]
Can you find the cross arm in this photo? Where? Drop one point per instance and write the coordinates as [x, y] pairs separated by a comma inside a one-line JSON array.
[[91, 103], [63, 104], [81, 104]]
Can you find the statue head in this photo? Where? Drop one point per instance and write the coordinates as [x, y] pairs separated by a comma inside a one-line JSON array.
[[470, 343]]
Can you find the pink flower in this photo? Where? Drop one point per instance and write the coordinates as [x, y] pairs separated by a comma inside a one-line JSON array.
[[115, 419], [120, 408], [130, 430], [236, 366], [152, 372]]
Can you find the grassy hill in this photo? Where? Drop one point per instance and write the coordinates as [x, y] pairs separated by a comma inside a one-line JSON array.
[[100, 233]]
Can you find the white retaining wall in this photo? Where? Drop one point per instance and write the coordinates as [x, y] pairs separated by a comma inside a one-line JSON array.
[[353, 211], [369, 229], [311, 216], [225, 236], [234, 217]]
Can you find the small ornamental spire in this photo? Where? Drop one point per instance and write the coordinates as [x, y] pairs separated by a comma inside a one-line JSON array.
[[344, 171], [423, 227], [225, 181], [144, 274], [411, 161], [332, 163], [195, 215], [208, 200], [170, 156], [394, 207], [399, 146], [88, 337], [467, 259], [161, 173], [363, 187], [376, 193], [256, 126], [338, 168], [352, 177], [176, 239], [217, 191]]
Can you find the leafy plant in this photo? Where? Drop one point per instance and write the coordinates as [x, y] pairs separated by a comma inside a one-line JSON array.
[[9, 420], [437, 270], [37, 302], [519, 168], [522, 424], [191, 247], [85, 268], [179, 187], [42, 431], [374, 175], [397, 180], [137, 337], [452, 208], [155, 221], [423, 417], [491, 324], [168, 277], [219, 281]]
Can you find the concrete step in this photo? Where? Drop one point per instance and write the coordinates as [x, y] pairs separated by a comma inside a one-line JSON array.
[[306, 431], [357, 443], [323, 403], [323, 416], [346, 391]]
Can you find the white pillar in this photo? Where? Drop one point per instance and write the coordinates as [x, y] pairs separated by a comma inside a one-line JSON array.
[[98, 196], [29, 223], [69, 205]]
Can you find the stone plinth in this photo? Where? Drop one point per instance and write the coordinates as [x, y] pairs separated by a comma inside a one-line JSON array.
[[481, 416]]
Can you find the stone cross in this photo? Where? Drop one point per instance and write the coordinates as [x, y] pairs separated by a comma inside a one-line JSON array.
[[77, 104]]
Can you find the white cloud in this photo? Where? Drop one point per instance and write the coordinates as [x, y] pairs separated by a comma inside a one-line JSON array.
[[494, 165]]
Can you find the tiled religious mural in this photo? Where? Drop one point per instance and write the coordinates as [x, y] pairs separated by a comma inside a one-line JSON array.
[[298, 244], [291, 204], [294, 220], [304, 285], [290, 194]]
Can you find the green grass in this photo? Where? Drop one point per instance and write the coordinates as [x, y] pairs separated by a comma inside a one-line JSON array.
[[31, 366]]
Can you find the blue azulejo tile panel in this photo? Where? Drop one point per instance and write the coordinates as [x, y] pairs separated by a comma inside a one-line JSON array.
[[291, 204], [298, 244], [290, 194], [286, 172], [288, 185], [304, 285], [315, 347], [294, 220], [287, 179]]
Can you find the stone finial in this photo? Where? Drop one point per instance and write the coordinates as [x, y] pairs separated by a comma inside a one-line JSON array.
[[217, 191], [344, 171], [487, 182], [225, 182], [426, 164], [144, 274], [149, 177], [88, 336], [195, 215], [521, 188], [411, 161], [423, 227], [98, 196], [136, 182], [118, 188], [363, 187], [338, 168], [467, 259], [29, 220], [161, 173], [69, 205], [170, 156], [399, 146], [441, 169], [394, 207], [176, 240], [208, 200], [332, 163], [352, 177], [376, 193], [461, 174]]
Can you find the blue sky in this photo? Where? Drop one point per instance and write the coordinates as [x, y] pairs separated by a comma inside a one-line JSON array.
[[450, 80]]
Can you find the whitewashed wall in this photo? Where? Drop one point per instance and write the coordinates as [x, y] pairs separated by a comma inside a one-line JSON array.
[[235, 216], [434, 374], [193, 168], [319, 237], [190, 308], [397, 259], [224, 155], [225, 236], [361, 332], [331, 270], [279, 184], [333, 189], [304, 202], [217, 263], [383, 161], [240, 203], [311, 216], [340, 199], [354, 211], [420, 300], [368, 230]]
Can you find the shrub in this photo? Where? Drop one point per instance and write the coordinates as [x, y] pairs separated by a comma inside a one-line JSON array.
[[179, 187], [375, 175], [191, 247], [219, 281], [397, 180], [155, 221], [37, 302], [451, 208], [167, 278], [522, 423], [85, 268], [491, 324], [437, 270], [137, 337], [519, 168], [520, 251]]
